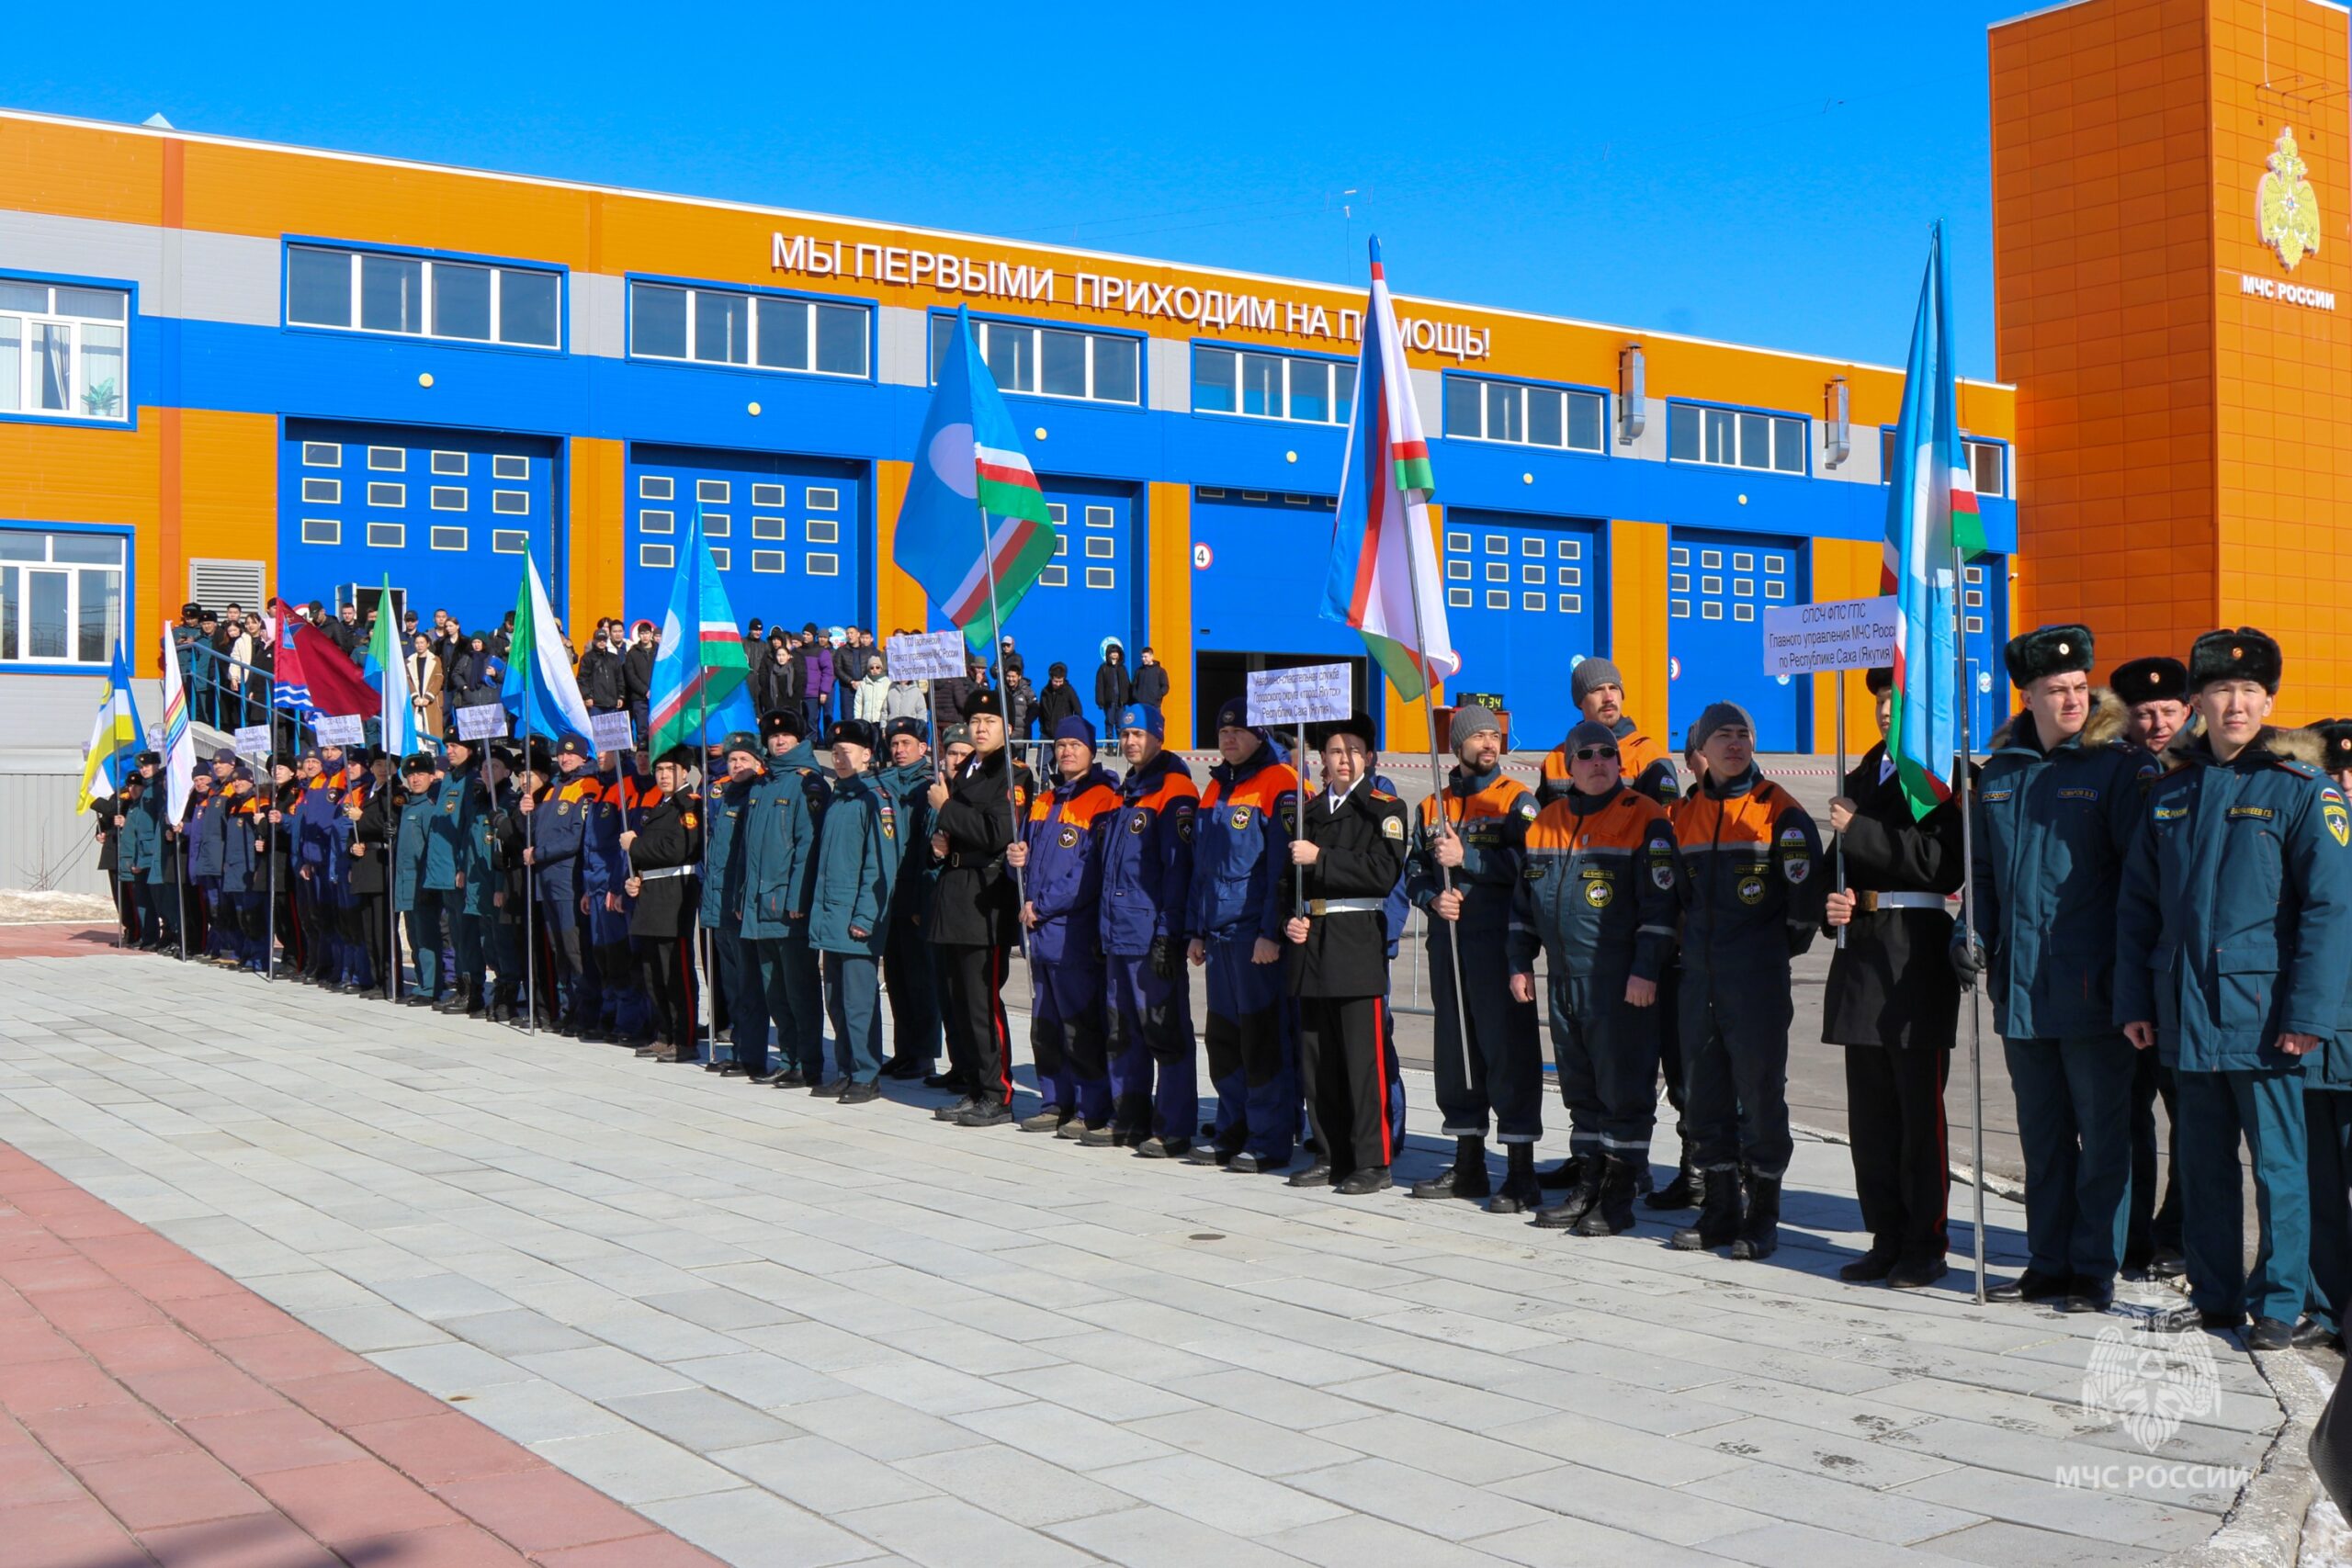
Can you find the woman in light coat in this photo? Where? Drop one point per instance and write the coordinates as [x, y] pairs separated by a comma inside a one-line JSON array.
[[872, 701]]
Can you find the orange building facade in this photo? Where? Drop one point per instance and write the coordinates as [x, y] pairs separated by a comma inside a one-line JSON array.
[[2172, 181]]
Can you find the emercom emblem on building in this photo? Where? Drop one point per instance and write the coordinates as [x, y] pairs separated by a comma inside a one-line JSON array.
[[2286, 208]]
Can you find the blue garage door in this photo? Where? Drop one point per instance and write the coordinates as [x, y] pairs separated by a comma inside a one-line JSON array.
[[1988, 630], [1258, 564], [1091, 590], [789, 533], [1717, 586], [1523, 601], [446, 512]]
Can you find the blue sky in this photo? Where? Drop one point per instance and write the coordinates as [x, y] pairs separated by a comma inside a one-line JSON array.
[[1755, 175]]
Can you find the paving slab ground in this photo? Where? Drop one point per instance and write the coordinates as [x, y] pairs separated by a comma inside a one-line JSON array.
[[791, 1332]]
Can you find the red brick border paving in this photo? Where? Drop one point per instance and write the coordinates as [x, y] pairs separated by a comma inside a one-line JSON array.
[[153, 1411], [55, 939]]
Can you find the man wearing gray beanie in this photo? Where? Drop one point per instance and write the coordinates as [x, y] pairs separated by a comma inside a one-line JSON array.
[[1600, 693], [1751, 902], [1464, 874]]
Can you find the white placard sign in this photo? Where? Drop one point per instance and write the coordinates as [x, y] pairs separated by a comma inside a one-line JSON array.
[[484, 721], [1308, 693], [1845, 634], [252, 741], [925, 656], [611, 731], [340, 730]]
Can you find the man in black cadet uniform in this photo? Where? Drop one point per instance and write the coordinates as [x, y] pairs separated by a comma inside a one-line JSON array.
[[1479, 846], [1352, 842], [663, 849], [1892, 1000], [909, 969], [976, 910], [2155, 694], [2058, 801]]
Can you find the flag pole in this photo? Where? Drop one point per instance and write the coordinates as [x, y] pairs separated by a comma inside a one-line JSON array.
[[1968, 915], [1437, 788], [996, 639], [1837, 836]]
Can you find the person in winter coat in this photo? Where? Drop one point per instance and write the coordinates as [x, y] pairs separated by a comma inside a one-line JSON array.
[[781, 822], [870, 703], [1893, 1002], [425, 683], [857, 864], [1061, 854], [1020, 703], [954, 692], [662, 850], [906, 699], [816, 662], [636, 678], [974, 910], [1059, 701], [2232, 935], [1112, 691], [600, 673]]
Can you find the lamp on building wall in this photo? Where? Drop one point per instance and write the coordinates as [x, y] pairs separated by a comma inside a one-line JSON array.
[[1837, 430], [1633, 404]]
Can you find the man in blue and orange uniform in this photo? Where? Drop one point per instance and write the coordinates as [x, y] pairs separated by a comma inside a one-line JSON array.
[[558, 832], [604, 877], [1598, 898], [909, 966], [1464, 871], [1148, 1010], [976, 909], [664, 843], [1352, 845], [1060, 855], [857, 860], [782, 817], [310, 830], [738, 1007], [1233, 915], [2056, 806], [2232, 936], [1750, 904]]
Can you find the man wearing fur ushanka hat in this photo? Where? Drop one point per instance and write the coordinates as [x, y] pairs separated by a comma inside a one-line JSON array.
[[2233, 934]]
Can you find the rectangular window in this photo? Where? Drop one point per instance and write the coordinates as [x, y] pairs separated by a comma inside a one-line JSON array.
[[1680, 554], [1776, 563], [1572, 577], [322, 454], [1498, 544], [323, 492], [322, 531], [722, 327], [655, 487], [510, 468], [1498, 572], [1457, 571], [461, 302], [1050, 362], [509, 541], [1457, 541], [388, 459], [657, 522], [1479, 408], [1711, 560], [1054, 576], [392, 295], [387, 535], [767, 528], [513, 502], [1742, 561], [1272, 385], [657, 323], [1100, 517], [1711, 585], [660, 556], [1986, 466], [421, 296], [1572, 604], [1498, 598], [449, 463], [1061, 545], [712, 492], [1735, 438], [719, 556], [444, 537], [767, 495], [1679, 610], [386, 495], [1569, 549], [819, 499], [824, 566], [1776, 590], [1531, 574], [1531, 601], [1710, 610], [1101, 576], [62, 351], [767, 560], [449, 498], [1532, 545], [822, 531], [717, 525], [1102, 549], [1742, 612], [1457, 598]]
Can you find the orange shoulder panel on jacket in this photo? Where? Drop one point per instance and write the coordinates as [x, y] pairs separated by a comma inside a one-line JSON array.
[[1173, 787]]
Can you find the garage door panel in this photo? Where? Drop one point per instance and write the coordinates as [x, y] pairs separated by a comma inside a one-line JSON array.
[[788, 534], [1718, 585]]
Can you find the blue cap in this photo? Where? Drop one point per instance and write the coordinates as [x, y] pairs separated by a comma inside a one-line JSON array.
[[1143, 716], [1075, 727], [1233, 714]]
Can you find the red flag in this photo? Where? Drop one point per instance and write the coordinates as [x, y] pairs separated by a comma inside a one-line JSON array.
[[309, 659]]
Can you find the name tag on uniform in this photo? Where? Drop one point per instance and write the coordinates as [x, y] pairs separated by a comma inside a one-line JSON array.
[[2078, 795], [1990, 795], [2171, 813], [2252, 813]]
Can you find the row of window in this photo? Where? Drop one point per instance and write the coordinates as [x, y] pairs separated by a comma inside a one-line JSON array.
[[387, 495], [721, 525], [664, 558], [417, 297], [1273, 386], [1499, 599], [717, 326], [1051, 362], [394, 460], [382, 535], [719, 492]]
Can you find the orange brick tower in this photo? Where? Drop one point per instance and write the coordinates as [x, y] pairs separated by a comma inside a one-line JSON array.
[[2173, 280]]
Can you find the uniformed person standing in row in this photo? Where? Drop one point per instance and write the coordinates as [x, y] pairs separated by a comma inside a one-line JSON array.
[[976, 910], [1351, 842], [2233, 934], [411, 903], [738, 1007], [909, 969], [373, 827], [1893, 1001], [1060, 859], [605, 872], [557, 831], [782, 818], [857, 863], [664, 847], [1147, 1005], [459, 873], [1750, 905], [1233, 914], [2327, 1117], [2155, 694], [2056, 804], [1463, 873]]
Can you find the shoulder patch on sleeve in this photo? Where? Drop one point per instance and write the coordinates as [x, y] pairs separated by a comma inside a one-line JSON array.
[[1391, 825], [1526, 808]]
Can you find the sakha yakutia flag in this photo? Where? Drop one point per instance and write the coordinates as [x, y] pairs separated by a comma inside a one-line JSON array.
[[1932, 526], [973, 530], [541, 691], [699, 667], [116, 738], [179, 740], [1383, 578]]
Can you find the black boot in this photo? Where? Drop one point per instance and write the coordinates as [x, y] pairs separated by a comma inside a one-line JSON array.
[[1466, 1177], [456, 1000], [1686, 1191], [1759, 1232], [1522, 1193], [477, 998], [1718, 1222], [1564, 1214], [1613, 1211], [1564, 1175]]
